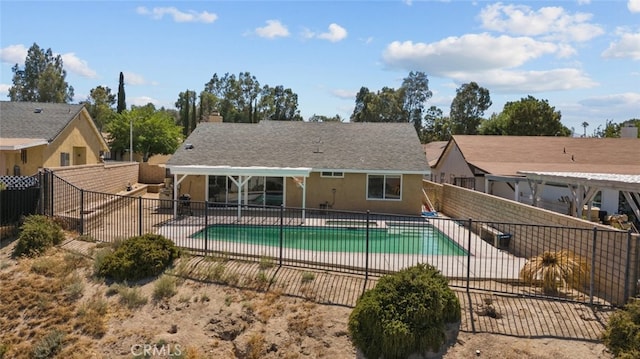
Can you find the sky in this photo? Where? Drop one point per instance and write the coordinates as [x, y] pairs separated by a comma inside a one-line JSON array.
[[582, 56]]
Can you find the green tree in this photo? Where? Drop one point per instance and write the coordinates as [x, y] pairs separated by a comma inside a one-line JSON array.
[[611, 130], [585, 124], [361, 110], [208, 105], [322, 118], [468, 107], [154, 131], [279, 104], [238, 96], [436, 126], [384, 106], [122, 103], [99, 104], [43, 78], [415, 93], [495, 125], [185, 105], [532, 117]]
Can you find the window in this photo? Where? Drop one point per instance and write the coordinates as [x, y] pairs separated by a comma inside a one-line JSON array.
[[23, 156], [385, 187], [332, 174], [64, 159]]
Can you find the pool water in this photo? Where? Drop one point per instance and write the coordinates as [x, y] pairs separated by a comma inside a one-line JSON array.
[[412, 240]]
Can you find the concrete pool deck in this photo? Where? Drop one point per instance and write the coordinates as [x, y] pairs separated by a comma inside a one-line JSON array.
[[485, 261]]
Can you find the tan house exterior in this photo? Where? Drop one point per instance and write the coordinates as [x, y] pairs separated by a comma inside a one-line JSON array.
[[39, 135], [343, 166]]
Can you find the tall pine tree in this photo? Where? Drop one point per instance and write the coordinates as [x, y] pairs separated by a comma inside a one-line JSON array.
[[122, 103], [42, 79]]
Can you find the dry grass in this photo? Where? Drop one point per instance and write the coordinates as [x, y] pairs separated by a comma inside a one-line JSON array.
[[41, 309], [555, 271]]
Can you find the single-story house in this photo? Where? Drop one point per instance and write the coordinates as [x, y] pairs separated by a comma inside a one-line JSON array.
[[548, 172], [346, 166], [37, 135]]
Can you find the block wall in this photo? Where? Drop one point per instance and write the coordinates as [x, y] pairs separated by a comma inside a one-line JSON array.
[[609, 249]]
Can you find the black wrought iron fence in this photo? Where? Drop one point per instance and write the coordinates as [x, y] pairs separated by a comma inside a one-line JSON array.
[[19, 196], [596, 266]]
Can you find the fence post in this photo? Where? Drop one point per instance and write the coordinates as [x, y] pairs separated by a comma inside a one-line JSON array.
[[281, 233], [627, 266], [206, 226], [469, 255], [366, 251], [593, 264], [139, 215], [81, 211], [40, 206], [51, 185]]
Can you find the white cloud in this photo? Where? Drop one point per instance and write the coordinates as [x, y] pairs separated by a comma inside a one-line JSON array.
[[78, 66], [13, 54], [4, 90], [506, 81], [628, 46], [134, 79], [469, 53], [17, 54], [620, 99], [335, 34], [344, 94], [547, 22], [634, 5], [143, 101], [273, 29], [158, 13]]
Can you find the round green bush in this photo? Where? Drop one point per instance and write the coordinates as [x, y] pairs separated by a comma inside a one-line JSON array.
[[622, 335], [407, 312], [37, 234], [137, 258]]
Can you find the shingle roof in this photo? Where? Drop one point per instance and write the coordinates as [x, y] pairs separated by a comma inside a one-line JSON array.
[[434, 151], [22, 120], [336, 146], [506, 155]]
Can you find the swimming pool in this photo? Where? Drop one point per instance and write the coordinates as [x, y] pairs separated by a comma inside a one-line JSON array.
[[424, 239]]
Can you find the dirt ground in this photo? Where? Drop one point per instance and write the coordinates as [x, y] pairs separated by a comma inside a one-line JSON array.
[[230, 309]]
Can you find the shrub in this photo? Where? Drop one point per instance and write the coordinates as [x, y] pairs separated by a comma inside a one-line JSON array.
[[138, 257], [49, 345], [131, 297], [622, 335], [37, 234], [164, 287], [407, 312], [555, 270]]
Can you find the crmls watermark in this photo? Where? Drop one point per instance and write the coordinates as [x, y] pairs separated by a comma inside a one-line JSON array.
[[153, 351]]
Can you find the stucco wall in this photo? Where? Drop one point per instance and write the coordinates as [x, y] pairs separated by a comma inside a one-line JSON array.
[[79, 134], [350, 193], [610, 249]]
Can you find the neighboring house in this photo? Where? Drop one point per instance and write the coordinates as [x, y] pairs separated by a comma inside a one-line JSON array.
[[433, 150], [37, 135], [346, 166], [548, 172]]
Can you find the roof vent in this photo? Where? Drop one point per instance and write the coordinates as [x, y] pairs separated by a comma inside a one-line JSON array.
[[37, 110], [188, 146]]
